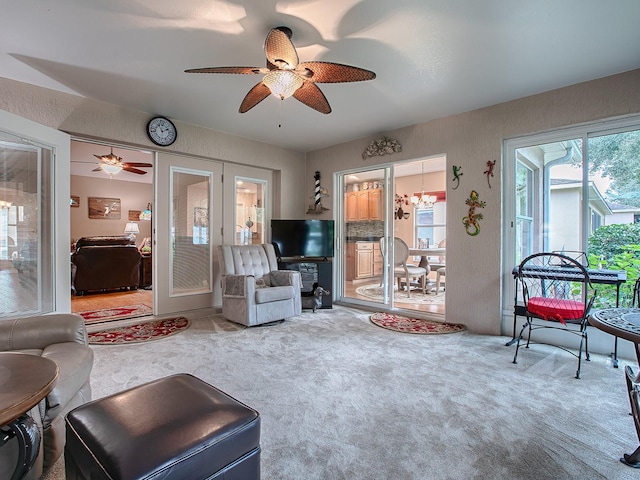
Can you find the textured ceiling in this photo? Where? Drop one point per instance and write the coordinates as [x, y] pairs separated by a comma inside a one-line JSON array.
[[432, 57]]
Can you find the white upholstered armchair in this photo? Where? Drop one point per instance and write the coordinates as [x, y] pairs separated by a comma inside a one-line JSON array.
[[254, 291]]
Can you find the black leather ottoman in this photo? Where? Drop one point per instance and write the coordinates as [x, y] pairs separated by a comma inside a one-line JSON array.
[[177, 427]]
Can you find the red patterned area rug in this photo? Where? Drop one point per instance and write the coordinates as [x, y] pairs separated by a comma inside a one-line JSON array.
[[116, 313], [141, 332], [413, 325]]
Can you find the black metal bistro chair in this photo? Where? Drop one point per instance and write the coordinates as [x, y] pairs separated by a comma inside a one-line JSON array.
[[557, 294]]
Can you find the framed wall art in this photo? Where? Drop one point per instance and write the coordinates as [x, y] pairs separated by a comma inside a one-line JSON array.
[[75, 201], [104, 208]]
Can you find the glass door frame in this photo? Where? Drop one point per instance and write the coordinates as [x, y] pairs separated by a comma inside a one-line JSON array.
[[165, 301], [340, 236]]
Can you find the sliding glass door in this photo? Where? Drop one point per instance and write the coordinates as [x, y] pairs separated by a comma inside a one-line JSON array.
[[365, 221], [575, 191], [34, 218], [402, 204]]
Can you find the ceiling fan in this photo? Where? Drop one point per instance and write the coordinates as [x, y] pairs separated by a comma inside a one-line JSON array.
[[284, 76], [112, 164]]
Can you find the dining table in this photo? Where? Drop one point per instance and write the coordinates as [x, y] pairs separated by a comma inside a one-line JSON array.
[[425, 253], [428, 252], [625, 323]]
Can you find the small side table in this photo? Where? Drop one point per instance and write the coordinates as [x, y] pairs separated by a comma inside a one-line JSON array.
[[24, 381], [625, 323], [145, 271]]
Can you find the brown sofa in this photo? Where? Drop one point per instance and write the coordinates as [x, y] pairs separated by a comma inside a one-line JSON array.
[[62, 338], [105, 263]]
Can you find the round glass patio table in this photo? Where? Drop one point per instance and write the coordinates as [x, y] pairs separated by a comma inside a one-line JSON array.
[[625, 323]]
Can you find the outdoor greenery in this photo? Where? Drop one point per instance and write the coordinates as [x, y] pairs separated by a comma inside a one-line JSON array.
[[616, 247], [616, 156]]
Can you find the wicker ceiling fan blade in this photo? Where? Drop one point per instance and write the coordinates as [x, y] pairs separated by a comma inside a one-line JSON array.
[[312, 96], [137, 164], [254, 97], [279, 49], [234, 70], [133, 170], [327, 72]]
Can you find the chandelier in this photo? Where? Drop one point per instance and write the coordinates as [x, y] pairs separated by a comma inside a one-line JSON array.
[[423, 201]]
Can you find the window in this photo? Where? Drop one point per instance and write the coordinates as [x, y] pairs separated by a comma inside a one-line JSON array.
[[430, 225], [250, 195], [524, 211]]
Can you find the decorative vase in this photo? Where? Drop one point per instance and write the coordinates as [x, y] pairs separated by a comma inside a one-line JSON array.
[[399, 213]]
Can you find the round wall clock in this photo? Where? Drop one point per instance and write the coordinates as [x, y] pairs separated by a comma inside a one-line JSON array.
[[161, 131]]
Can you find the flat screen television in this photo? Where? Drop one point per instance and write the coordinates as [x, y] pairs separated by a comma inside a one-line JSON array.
[[303, 238]]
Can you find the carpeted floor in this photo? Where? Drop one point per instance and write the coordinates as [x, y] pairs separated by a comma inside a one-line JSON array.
[[341, 398]]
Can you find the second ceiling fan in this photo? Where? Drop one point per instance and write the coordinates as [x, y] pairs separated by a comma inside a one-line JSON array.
[[112, 164], [284, 76]]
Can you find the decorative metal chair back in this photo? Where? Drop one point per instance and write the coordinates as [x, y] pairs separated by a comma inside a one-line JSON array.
[[557, 293], [635, 300]]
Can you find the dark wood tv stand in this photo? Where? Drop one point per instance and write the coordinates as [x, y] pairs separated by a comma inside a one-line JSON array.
[[312, 269]]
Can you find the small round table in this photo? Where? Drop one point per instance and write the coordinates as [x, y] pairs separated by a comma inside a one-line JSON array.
[[24, 381], [625, 323]]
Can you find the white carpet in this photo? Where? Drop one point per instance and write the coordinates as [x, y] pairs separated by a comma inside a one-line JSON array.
[[341, 398]]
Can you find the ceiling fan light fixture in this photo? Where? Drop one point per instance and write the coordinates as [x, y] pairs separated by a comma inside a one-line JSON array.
[[282, 83], [111, 169]]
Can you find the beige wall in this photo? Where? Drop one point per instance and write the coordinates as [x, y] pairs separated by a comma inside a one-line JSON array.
[[132, 195], [470, 140], [92, 119]]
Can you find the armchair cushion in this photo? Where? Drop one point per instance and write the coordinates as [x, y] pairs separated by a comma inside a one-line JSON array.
[[273, 294]]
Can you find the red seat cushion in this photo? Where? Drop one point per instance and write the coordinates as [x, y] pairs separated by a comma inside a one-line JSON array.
[[555, 309]]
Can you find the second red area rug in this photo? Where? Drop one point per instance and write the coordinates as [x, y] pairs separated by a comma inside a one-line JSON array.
[[402, 324]]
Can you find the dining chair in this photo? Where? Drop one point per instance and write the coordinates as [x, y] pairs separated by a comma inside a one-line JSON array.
[[402, 269]]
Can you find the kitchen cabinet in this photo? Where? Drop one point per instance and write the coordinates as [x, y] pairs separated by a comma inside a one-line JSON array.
[[375, 204], [363, 260], [364, 205], [351, 206]]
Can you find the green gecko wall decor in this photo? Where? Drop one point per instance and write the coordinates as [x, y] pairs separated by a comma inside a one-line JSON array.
[[456, 175], [471, 224]]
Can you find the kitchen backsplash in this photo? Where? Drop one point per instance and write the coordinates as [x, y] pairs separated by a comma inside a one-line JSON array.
[[365, 229]]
